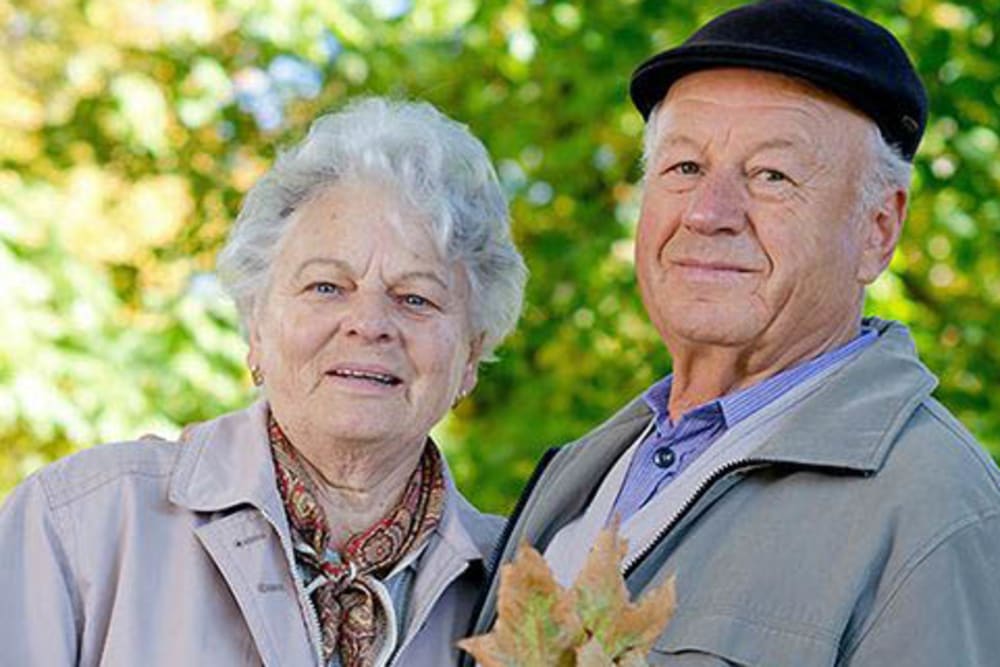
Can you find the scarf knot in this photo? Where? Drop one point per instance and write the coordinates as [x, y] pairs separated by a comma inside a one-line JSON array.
[[352, 616]]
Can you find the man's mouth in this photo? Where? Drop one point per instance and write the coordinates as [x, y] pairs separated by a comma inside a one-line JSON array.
[[705, 265]]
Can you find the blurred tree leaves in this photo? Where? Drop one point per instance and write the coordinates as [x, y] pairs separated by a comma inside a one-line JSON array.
[[130, 130]]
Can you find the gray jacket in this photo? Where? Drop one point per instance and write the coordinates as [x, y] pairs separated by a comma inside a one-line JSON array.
[[864, 529], [164, 553]]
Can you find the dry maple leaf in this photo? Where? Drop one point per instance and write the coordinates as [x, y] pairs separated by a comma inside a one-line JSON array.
[[632, 659], [604, 606], [592, 655], [593, 624], [536, 623]]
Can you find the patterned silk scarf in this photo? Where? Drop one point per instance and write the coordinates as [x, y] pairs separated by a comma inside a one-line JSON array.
[[351, 615]]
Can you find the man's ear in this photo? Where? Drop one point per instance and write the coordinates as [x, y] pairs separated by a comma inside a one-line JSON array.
[[882, 226]]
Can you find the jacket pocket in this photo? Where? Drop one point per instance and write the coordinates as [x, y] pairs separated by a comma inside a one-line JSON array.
[[713, 639]]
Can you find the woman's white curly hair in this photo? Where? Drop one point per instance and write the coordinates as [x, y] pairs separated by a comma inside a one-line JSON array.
[[433, 162]]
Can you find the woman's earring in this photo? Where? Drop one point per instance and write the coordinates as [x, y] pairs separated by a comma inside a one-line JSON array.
[[458, 399], [257, 375]]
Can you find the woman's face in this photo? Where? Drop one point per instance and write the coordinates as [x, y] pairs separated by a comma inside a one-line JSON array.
[[363, 336]]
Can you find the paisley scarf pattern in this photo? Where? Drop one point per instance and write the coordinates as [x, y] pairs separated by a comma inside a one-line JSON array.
[[351, 615]]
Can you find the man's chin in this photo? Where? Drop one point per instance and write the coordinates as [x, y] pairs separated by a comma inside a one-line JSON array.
[[707, 326]]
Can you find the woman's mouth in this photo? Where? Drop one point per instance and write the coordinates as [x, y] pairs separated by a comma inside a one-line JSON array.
[[369, 375]]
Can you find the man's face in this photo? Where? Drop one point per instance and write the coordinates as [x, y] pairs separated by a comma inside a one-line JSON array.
[[750, 230]]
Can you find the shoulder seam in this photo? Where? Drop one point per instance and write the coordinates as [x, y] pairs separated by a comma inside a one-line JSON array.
[[971, 447], [61, 491], [60, 526], [920, 555]]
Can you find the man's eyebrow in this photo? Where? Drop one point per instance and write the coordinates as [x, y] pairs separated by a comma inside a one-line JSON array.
[[775, 142], [670, 140]]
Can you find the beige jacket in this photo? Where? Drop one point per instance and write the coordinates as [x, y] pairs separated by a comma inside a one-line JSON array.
[[165, 553]]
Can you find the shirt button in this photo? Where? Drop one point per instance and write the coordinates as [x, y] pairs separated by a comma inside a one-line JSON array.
[[663, 457]]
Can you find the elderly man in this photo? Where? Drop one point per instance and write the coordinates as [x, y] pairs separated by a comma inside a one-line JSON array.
[[817, 505]]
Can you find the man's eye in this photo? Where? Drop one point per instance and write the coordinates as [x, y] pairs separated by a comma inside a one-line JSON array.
[[686, 168], [772, 175]]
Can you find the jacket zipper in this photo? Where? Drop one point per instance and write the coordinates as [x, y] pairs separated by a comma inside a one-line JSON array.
[[630, 563], [312, 616]]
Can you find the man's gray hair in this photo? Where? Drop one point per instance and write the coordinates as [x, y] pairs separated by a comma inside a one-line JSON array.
[[887, 168], [887, 171], [435, 164]]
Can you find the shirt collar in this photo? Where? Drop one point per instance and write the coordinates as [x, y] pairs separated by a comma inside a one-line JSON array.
[[733, 408]]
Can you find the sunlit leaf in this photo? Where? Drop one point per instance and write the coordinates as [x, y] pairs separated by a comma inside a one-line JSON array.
[[593, 624]]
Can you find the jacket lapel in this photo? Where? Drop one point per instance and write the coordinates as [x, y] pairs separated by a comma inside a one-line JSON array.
[[563, 491], [568, 485], [251, 560], [226, 472], [462, 540]]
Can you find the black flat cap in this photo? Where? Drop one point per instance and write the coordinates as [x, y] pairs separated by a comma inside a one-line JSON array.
[[830, 46]]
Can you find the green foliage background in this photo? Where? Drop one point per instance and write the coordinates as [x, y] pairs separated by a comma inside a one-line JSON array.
[[130, 130]]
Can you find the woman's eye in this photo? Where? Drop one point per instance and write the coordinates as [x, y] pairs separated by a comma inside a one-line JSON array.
[[324, 288]]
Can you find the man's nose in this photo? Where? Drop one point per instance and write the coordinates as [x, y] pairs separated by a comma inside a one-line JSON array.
[[717, 204], [369, 317]]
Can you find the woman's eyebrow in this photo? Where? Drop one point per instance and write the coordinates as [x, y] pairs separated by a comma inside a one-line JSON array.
[[324, 261], [426, 275]]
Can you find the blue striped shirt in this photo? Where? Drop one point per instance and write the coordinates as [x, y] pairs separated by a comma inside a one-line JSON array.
[[670, 448]]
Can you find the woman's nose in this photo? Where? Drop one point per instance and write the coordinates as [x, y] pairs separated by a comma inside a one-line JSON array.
[[369, 317]]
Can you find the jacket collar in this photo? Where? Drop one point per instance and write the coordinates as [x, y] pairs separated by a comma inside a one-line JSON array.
[[471, 534], [848, 419], [226, 462]]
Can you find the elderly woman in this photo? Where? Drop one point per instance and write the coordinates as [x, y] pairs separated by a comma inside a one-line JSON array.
[[373, 270]]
